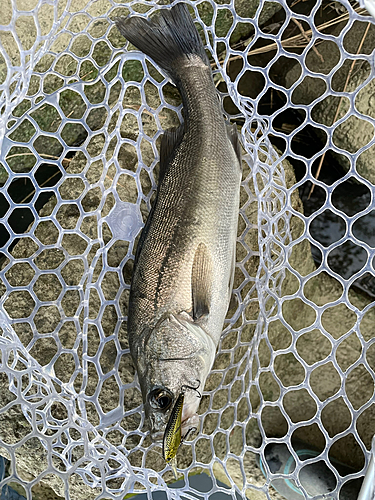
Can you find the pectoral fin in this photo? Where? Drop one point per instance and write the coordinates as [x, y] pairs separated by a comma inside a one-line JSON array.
[[201, 280]]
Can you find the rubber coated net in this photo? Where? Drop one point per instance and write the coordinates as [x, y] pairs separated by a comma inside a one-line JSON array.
[[81, 121]]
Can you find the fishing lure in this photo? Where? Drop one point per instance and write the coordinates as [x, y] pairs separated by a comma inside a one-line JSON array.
[[172, 435]]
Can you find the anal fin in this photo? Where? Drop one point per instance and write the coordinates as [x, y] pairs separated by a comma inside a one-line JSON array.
[[201, 279]]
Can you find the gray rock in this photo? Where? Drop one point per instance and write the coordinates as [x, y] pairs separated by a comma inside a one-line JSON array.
[[325, 381], [354, 133], [244, 8], [72, 105]]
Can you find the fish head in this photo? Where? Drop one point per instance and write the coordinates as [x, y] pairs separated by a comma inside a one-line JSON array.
[[160, 401], [175, 356]]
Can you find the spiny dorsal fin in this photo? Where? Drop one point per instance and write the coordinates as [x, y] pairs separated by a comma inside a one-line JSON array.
[[201, 279], [234, 139], [169, 141]]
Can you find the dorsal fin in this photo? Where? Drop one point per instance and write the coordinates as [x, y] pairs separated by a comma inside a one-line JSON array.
[[169, 141], [234, 139], [201, 279]]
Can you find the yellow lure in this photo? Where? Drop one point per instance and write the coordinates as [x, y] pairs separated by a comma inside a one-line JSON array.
[[172, 434]]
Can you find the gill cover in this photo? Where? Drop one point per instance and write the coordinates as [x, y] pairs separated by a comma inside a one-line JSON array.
[[175, 337]]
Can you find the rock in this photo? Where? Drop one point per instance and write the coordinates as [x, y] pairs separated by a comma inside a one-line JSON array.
[[71, 104], [244, 8], [354, 133], [326, 380]]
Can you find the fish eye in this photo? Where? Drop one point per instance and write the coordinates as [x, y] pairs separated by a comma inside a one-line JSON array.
[[160, 399]]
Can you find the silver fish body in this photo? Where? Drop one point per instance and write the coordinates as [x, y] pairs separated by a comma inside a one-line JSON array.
[[183, 274]]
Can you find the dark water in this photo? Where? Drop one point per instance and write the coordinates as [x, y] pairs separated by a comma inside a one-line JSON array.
[[199, 483], [350, 197], [6, 492]]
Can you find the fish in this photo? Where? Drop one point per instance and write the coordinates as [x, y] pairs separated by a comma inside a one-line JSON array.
[[185, 259]]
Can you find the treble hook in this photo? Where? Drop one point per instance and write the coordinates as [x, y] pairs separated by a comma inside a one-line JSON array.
[[184, 387]]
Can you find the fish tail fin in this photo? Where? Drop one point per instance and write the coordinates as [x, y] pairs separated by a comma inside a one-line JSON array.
[[167, 38]]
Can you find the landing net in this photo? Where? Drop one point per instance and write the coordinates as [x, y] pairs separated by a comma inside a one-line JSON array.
[[80, 127]]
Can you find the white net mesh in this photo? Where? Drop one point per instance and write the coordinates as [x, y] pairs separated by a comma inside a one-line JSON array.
[[80, 125]]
